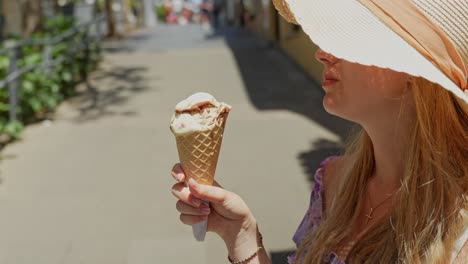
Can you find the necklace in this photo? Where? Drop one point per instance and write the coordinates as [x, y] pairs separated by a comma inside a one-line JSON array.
[[372, 209]]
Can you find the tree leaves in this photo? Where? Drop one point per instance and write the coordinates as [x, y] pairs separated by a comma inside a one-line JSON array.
[[42, 91]]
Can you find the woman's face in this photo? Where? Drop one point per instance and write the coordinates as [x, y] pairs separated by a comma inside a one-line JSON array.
[[360, 93]]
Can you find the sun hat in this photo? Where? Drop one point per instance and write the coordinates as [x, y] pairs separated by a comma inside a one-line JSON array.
[[426, 38]]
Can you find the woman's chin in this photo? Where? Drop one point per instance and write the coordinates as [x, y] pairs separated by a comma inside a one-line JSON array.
[[332, 106], [329, 104], [339, 109]]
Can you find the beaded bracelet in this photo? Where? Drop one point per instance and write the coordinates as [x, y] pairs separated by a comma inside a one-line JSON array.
[[251, 256]]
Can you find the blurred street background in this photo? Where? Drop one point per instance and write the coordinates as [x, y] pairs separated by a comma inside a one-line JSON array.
[[87, 92]]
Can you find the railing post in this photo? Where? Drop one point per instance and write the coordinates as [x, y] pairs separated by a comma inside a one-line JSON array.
[[48, 58], [84, 70], [14, 84], [68, 55], [98, 22]]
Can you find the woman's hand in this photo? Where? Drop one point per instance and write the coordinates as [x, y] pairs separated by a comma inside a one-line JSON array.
[[228, 215]]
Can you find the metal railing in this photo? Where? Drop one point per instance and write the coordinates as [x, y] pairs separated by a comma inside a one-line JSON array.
[[91, 32]]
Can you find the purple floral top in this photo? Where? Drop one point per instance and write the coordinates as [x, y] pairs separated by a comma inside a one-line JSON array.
[[313, 216]]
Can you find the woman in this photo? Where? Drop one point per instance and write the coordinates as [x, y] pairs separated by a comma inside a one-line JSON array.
[[399, 193]]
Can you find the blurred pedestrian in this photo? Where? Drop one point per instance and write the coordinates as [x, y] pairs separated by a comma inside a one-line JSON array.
[[218, 6], [206, 8], [177, 7], [399, 193]]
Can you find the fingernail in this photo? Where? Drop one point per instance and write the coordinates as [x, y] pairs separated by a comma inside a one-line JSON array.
[[179, 177], [205, 210], [193, 184], [196, 202]]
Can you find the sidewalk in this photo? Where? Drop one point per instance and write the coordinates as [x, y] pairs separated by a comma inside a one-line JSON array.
[[93, 186]]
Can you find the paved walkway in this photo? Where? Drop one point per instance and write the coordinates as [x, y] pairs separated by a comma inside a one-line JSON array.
[[93, 185]]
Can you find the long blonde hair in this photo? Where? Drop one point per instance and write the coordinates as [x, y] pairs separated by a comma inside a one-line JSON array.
[[431, 211]]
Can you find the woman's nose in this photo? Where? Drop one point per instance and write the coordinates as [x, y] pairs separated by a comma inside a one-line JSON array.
[[324, 57]]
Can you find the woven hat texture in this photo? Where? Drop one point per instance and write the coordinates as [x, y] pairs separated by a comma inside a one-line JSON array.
[[349, 30]]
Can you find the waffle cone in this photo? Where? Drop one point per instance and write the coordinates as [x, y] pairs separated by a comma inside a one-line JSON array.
[[199, 152]]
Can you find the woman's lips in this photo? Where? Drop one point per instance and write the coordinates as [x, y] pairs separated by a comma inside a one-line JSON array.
[[329, 82], [329, 79]]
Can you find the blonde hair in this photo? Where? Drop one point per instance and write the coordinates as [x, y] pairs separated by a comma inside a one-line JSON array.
[[431, 211]]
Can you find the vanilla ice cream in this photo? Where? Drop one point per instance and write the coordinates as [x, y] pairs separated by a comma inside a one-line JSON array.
[[198, 112]]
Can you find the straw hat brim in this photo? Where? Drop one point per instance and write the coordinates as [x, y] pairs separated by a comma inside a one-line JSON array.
[[348, 30]]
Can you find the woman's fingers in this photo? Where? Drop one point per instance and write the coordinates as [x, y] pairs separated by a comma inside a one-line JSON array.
[[192, 219], [215, 183], [187, 209], [181, 192], [178, 173], [207, 193]]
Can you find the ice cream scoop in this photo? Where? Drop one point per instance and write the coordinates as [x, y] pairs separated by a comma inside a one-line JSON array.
[[198, 112]]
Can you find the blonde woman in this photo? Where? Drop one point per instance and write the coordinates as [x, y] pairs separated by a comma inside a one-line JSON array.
[[399, 193]]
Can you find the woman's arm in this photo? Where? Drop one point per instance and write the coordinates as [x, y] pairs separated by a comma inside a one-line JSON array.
[[262, 258], [249, 247], [228, 216], [462, 256], [248, 253]]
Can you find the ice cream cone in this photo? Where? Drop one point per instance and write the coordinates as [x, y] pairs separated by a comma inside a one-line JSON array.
[[198, 126]]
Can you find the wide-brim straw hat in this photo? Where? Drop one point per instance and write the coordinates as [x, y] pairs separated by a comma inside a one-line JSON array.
[[426, 38]]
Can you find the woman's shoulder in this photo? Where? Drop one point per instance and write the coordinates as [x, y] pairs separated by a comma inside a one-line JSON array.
[[326, 170], [322, 181], [460, 252]]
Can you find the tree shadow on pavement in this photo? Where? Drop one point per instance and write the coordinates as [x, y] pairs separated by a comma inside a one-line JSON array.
[[126, 45], [319, 150], [107, 89]]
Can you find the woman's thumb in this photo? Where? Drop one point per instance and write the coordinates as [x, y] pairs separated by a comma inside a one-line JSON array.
[[208, 193]]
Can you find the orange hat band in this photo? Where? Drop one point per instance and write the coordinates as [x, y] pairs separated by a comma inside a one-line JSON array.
[[423, 35]]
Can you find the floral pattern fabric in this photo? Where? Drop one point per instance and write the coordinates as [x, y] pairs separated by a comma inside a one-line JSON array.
[[313, 216]]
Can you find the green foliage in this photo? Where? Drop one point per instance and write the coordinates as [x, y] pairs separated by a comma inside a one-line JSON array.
[[59, 24], [161, 12], [100, 5], [42, 90], [13, 128]]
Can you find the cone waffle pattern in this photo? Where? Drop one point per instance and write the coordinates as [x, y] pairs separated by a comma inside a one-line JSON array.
[[199, 152]]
